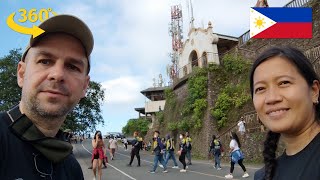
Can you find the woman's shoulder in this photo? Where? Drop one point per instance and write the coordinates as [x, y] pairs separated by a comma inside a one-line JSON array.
[[259, 175]]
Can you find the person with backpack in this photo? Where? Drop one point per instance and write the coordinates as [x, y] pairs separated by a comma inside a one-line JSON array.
[[182, 151], [216, 150], [136, 146], [158, 153], [189, 148], [170, 151]]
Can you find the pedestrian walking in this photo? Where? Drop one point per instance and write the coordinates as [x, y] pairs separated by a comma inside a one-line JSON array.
[[158, 151], [98, 154], [113, 145], [170, 152], [236, 156], [182, 151], [163, 141], [216, 150], [136, 146], [285, 92], [125, 142], [189, 148]]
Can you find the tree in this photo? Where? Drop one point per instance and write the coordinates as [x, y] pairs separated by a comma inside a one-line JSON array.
[[141, 125], [84, 117], [10, 91], [87, 114]]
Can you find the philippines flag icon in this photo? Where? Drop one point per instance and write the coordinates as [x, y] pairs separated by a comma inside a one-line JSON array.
[[280, 22]]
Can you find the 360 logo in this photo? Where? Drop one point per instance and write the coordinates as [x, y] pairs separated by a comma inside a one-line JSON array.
[[31, 16]]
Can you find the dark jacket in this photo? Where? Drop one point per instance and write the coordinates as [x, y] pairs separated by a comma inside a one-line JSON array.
[[18, 159]]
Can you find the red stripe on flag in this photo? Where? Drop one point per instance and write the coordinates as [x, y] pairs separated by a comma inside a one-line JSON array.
[[287, 30]]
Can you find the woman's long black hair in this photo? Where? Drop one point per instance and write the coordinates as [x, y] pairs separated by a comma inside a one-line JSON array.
[[305, 68], [235, 137], [100, 137]]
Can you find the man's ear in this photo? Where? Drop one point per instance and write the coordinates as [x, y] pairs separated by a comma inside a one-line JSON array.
[[85, 86], [20, 73]]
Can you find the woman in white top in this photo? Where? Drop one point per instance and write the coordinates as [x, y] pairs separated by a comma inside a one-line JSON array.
[[113, 143], [236, 156]]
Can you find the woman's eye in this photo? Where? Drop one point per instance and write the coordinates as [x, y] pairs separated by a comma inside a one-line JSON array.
[[284, 82], [258, 89]]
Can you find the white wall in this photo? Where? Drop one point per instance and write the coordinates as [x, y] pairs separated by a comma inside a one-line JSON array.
[[153, 106], [200, 40]]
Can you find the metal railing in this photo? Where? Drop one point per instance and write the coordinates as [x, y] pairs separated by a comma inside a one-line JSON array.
[[292, 4], [297, 3]]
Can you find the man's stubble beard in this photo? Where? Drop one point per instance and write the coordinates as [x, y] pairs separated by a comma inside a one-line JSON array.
[[34, 106]]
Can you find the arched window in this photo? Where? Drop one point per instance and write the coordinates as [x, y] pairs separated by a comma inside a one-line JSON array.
[[193, 59]]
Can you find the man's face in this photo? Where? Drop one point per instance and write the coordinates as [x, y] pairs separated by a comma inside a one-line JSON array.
[[53, 76]]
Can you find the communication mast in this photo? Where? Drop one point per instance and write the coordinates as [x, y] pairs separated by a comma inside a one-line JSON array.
[[175, 31]]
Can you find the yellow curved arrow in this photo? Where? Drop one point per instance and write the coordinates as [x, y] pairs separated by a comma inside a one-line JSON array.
[[35, 30]]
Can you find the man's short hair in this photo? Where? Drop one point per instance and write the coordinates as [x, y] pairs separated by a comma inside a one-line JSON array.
[[67, 24], [157, 132]]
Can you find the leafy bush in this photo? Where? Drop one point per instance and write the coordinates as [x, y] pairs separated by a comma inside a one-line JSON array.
[[170, 97], [141, 125], [234, 91], [172, 126], [160, 116], [184, 125]]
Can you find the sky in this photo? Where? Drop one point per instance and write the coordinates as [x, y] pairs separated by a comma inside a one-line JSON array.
[[132, 42]]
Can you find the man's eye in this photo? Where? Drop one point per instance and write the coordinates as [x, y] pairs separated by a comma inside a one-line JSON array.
[[44, 61], [73, 67]]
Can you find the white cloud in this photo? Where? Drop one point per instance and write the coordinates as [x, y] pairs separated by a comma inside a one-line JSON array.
[[123, 90]]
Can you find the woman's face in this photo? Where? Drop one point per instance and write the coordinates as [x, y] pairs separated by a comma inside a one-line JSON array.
[[282, 98]]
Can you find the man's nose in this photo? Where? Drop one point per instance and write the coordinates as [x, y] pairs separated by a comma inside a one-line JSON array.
[[57, 73]]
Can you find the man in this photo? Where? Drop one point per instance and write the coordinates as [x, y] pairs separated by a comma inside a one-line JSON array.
[[189, 148], [158, 153], [136, 146], [125, 143], [241, 124], [53, 75]]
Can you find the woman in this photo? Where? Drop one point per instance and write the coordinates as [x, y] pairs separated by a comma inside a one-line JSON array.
[[285, 93], [98, 154], [216, 150], [113, 144], [182, 151], [236, 156]]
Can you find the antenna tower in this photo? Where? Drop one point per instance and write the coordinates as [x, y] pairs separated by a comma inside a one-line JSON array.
[[175, 31]]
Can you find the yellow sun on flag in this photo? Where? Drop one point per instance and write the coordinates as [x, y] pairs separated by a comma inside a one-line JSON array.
[[259, 22]]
